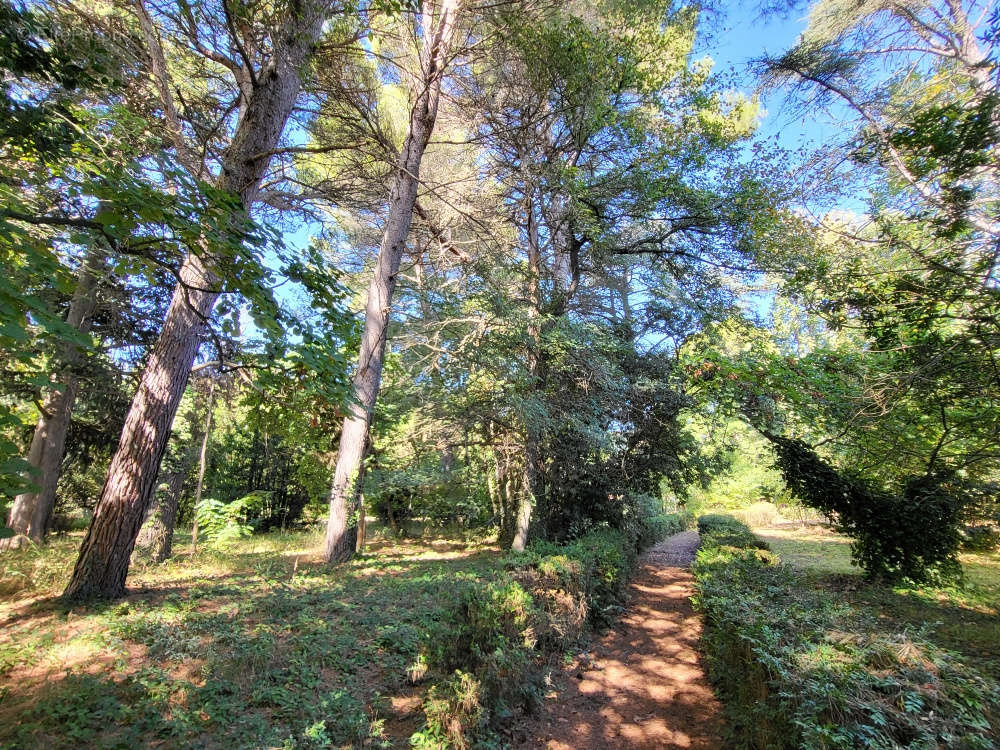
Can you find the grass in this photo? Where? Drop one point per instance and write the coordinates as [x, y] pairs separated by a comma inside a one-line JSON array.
[[963, 619], [263, 646]]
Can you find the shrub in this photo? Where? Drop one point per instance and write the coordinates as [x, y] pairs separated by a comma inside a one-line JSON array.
[[720, 522], [606, 559], [980, 537], [658, 527], [453, 712], [486, 648], [718, 529], [797, 668], [222, 525]]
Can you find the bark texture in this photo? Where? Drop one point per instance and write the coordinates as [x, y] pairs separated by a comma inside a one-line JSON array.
[[102, 566], [437, 32], [31, 513], [531, 492], [202, 465]]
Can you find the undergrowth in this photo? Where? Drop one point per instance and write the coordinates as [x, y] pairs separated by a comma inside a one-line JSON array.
[[799, 667], [261, 647], [490, 657]]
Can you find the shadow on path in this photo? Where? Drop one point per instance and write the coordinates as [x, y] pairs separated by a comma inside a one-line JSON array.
[[643, 686]]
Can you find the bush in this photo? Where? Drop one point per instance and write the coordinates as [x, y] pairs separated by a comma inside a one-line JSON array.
[[718, 529], [222, 525], [720, 522], [980, 537], [797, 668], [658, 527], [453, 712]]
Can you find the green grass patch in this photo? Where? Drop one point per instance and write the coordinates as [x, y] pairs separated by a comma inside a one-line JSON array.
[[964, 619], [263, 645]]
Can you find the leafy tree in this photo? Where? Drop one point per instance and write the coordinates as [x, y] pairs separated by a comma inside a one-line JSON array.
[[258, 65], [438, 30]]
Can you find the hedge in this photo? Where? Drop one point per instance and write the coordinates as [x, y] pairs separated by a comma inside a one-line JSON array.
[[797, 668], [721, 530]]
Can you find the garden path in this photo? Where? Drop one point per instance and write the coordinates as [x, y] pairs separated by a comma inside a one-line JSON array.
[[643, 686]]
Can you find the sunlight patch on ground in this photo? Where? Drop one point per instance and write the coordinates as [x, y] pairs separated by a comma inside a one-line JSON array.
[[811, 548]]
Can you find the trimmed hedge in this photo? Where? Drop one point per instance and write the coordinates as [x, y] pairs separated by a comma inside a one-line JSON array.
[[662, 525], [492, 653], [720, 522], [721, 530], [797, 668]]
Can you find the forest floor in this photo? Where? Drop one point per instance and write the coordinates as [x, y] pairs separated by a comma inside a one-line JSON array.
[[262, 645], [642, 685]]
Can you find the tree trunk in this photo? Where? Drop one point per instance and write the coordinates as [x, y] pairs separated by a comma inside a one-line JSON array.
[[509, 494], [359, 546], [529, 493], [526, 500], [102, 566], [437, 35], [202, 463], [104, 556], [157, 536], [31, 513]]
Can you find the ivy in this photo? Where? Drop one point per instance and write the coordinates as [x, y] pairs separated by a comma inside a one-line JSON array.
[[910, 535]]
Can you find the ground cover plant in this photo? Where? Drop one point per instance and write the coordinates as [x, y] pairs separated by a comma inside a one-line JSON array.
[[260, 646], [553, 274], [964, 619], [508, 632], [806, 655]]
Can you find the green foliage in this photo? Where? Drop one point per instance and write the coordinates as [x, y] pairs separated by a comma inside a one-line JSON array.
[[453, 712], [906, 282], [910, 535], [659, 527], [493, 647], [453, 498], [737, 463], [644, 521], [256, 647], [799, 668], [719, 522], [610, 439], [488, 650], [223, 524], [606, 559], [718, 529]]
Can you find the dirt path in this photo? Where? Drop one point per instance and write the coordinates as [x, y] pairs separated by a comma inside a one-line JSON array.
[[642, 686]]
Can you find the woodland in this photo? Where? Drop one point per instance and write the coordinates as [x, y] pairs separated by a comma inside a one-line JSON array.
[[353, 352]]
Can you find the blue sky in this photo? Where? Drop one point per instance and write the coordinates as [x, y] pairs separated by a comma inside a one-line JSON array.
[[736, 37]]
